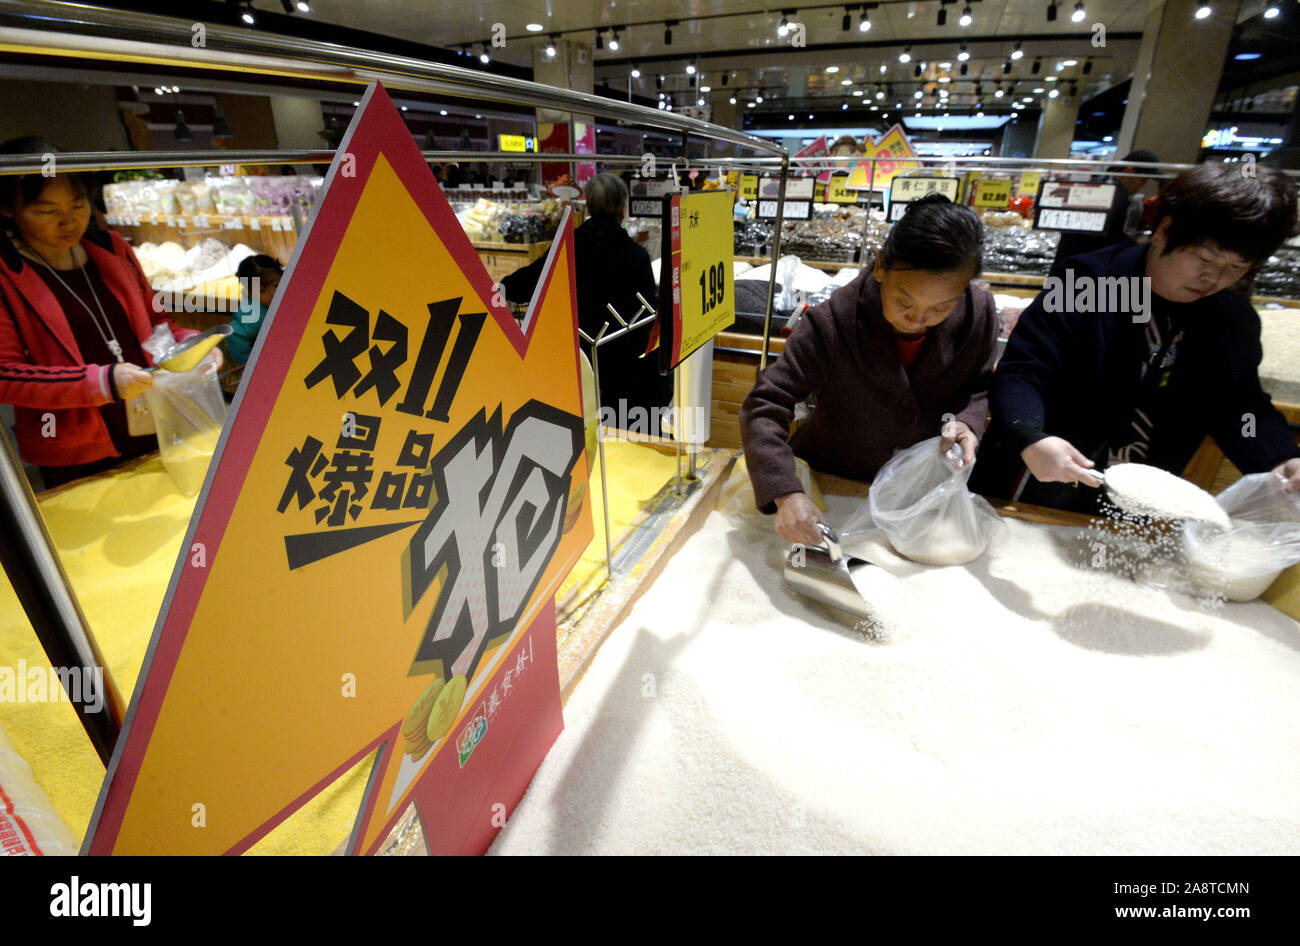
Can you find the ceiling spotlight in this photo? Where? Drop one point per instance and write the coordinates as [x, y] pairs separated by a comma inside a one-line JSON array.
[[847, 22], [864, 24], [998, 93], [303, 6], [749, 105], [758, 99], [613, 42], [1271, 13], [442, 111], [706, 88], [1087, 66], [668, 32], [1039, 91], [636, 73], [1038, 64], [964, 54], [1051, 12], [1079, 12], [247, 16], [941, 18], [965, 16], [662, 96], [917, 94], [732, 100], [690, 68], [917, 71], [882, 68], [965, 68], [843, 108], [1053, 94], [534, 27], [783, 31], [810, 117], [550, 48], [600, 40], [790, 117], [880, 94], [846, 82], [700, 100], [832, 69], [857, 93], [1070, 62], [905, 55], [1203, 11], [1017, 52], [1006, 67], [483, 57]]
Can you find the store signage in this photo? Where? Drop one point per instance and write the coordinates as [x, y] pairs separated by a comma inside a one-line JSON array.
[[372, 563], [749, 186], [904, 190], [1027, 184], [889, 152], [646, 196], [815, 150], [1073, 205], [518, 143], [798, 198], [697, 300], [993, 193]]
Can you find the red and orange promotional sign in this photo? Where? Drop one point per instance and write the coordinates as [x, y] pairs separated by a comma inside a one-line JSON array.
[[372, 564], [890, 150]]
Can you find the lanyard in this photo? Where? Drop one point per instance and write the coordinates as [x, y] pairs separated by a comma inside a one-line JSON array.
[[106, 330]]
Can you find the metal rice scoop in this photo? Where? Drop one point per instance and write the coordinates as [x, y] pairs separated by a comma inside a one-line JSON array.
[[826, 574], [194, 349]]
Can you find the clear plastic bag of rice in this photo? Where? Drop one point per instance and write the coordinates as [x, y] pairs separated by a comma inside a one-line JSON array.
[[920, 501], [1241, 562]]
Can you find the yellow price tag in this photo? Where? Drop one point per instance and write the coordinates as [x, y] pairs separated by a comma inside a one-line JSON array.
[[749, 186], [703, 251], [1028, 184], [838, 192], [994, 194]]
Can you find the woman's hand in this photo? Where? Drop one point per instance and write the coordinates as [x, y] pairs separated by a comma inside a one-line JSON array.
[[1288, 471], [131, 380], [796, 519], [1055, 460], [212, 363], [956, 431]]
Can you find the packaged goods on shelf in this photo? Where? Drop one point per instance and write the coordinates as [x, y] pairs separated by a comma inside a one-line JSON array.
[[1280, 276], [1018, 250], [751, 236], [243, 196], [832, 236], [170, 267], [487, 221]]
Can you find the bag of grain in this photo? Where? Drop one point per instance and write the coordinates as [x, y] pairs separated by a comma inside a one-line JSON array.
[[1264, 538], [920, 501]]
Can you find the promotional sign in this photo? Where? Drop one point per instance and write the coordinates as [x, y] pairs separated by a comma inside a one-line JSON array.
[[993, 193], [904, 190], [517, 143], [815, 150], [749, 186], [1073, 205], [1027, 184], [696, 300], [645, 196], [372, 563], [798, 198], [890, 151]]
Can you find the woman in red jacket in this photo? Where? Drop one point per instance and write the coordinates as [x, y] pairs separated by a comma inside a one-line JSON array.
[[74, 309]]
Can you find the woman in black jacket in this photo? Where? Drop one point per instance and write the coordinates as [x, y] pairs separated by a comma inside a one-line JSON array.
[[1142, 351]]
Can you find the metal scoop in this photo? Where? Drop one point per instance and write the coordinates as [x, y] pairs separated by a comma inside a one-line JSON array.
[[826, 574], [190, 352]]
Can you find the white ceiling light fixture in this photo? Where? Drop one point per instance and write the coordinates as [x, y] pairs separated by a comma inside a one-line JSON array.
[[965, 16], [1054, 93], [857, 93], [706, 88], [1079, 12], [864, 24], [534, 27], [1203, 11], [832, 69], [613, 42], [1271, 13], [880, 94], [846, 82], [1018, 52], [783, 30], [732, 100], [964, 54], [636, 73], [550, 48], [905, 55], [690, 68]]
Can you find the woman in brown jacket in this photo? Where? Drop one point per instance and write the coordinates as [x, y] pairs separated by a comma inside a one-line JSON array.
[[902, 353]]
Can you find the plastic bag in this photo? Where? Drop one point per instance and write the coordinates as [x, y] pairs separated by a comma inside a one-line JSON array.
[[1241, 562], [29, 825], [189, 413], [920, 501]]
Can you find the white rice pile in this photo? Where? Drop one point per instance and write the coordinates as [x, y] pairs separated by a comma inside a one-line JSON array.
[[1038, 706], [1155, 492]]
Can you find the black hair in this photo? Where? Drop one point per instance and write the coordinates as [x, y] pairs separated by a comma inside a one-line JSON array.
[[251, 266], [18, 190], [936, 235], [1247, 209]]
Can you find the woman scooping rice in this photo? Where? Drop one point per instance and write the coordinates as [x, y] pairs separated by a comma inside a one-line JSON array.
[[1144, 351], [881, 362], [74, 310]]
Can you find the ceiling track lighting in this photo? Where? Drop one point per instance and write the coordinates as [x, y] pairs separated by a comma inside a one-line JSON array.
[[906, 55], [941, 18], [1038, 64], [1017, 52], [1079, 12], [636, 72], [668, 31], [1204, 11], [1051, 12], [965, 68], [600, 40], [963, 54], [249, 16], [613, 41], [550, 46], [965, 16], [1087, 66], [864, 23]]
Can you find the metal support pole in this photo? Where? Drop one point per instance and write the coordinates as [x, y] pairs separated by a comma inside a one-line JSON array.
[[866, 224], [600, 447], [680, 488], [42, 588], [776, 255]]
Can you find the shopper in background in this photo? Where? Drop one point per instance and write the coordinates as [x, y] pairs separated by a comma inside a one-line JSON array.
[[610, 268], [74, 309], [885, 359], [1124, 217], [247, 324], [1082, 389]]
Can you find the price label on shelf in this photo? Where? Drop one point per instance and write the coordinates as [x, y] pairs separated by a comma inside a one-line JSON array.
[[202, 223], [288, 225], [156, 220], [236, 223], [698, 300], [275, 224], [254, 223], [838, 192], [749, 186], [181, 223], [993, 194]]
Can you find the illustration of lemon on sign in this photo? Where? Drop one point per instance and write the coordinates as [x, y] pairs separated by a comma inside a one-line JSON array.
[[417, 721], [445, 708]]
